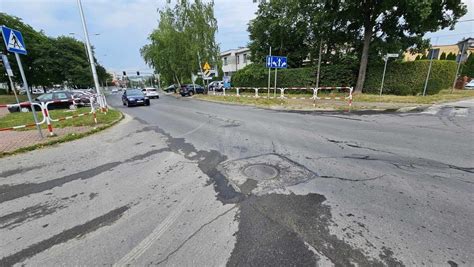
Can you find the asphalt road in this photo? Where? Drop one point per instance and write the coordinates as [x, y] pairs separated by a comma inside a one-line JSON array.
[[190, 183]]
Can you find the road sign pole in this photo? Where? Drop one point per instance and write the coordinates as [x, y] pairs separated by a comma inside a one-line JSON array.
[[91, 58], [275, 90], [269, 74], [459, 65], [383, 76], [429, 72], [13, 89], [25, 85]]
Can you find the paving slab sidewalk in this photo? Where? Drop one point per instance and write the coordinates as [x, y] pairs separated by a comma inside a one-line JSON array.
[[13, 140]]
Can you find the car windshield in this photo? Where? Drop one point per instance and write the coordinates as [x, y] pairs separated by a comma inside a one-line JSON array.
[[45, 97], [134, 93]]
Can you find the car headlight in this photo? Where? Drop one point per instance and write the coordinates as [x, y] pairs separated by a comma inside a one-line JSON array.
[[146, 97], [131, 99]]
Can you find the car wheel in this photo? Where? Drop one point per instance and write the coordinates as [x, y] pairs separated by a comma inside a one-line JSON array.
[[128, 104], [147, 103], [191, 93], [124, 103]]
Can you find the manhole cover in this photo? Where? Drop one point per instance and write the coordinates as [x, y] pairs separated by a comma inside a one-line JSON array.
[[260, 172]]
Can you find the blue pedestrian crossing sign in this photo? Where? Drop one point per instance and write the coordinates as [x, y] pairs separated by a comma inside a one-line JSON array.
[[275, 62], [14, 41]]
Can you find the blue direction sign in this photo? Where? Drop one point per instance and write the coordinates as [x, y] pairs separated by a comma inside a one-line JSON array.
[[275, 62], [13, 40]]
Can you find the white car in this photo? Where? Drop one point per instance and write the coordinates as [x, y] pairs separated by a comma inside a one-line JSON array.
[[150, 92], [469, 85]]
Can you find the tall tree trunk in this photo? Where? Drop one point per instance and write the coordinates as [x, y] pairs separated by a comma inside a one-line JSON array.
[[368, 31]]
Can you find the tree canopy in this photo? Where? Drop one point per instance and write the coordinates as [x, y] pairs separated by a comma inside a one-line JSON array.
[[50, 61], [185, 31], [359, 30]]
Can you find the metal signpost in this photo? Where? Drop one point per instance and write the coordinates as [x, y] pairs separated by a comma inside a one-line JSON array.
[[276, 63], [385, 69], [463, 46], [15, 44], [10, 75]]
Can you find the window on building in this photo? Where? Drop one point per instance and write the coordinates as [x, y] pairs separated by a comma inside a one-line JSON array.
[[434, 53], [245, 58], [225, 61], [237, 59]]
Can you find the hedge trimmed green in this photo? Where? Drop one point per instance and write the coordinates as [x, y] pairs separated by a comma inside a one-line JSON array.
[[255, 75], [408, 78], [402, 78]]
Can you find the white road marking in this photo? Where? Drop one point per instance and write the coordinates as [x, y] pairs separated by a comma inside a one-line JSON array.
[[146, 243]]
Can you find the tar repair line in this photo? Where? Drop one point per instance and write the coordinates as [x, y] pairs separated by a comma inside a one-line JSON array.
[[146, 243]]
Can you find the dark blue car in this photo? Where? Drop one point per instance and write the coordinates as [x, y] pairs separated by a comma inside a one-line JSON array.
[[134, 97]]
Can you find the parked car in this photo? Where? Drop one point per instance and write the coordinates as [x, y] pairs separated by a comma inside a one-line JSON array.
[[216, 85], [82, 99], [134, 97], [191, 89], [171, 89], [150, 92], [469, 85], [67, 99]]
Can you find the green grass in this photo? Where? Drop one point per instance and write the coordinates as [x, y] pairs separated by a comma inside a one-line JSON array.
[[21, 118], [66, 138], [442, 96], [10, 99], [243, 100]]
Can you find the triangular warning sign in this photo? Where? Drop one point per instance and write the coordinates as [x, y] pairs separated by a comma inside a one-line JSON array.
[[206, 66], [14, 42]]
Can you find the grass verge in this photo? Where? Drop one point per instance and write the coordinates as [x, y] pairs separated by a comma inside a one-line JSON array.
[[21, 118], [118, 116], [442, 97], [10, 99], [361, 101]]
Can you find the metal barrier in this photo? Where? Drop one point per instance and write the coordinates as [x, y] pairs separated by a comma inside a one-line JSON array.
[[24, 125], [47, 116], [283, 96]]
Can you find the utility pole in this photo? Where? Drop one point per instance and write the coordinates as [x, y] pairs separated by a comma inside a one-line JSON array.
[[429, 72], [91, 58], [319, 70]]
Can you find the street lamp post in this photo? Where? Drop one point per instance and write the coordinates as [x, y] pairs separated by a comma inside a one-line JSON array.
[[91, 59]]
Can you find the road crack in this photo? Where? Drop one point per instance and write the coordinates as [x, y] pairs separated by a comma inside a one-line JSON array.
[[194, 234]]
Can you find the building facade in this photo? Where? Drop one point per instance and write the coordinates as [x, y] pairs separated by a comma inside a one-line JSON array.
[[234, 60], [438, 50]]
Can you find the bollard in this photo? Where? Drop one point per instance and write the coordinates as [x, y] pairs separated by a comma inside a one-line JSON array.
[[256, 92], [237, 91], [44, 108], [282, 93]]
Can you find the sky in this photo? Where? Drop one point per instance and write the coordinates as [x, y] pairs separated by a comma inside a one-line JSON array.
[[124, 25]]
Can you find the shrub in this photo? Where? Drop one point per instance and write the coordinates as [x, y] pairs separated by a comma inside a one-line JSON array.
[[255, 75], [468, 68], [408, 78]]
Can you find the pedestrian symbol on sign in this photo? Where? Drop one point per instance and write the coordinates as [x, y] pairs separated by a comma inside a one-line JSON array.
[[13, 40]]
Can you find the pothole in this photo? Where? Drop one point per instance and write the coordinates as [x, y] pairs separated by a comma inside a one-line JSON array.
[[260, 172]]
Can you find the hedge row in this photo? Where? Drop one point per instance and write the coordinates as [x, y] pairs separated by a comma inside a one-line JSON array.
[[408, 78], [257, 76], [401, 78]]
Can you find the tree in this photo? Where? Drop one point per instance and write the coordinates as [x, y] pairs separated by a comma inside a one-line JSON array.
[[283, 26], [183, 33], [468, 68], [398, 22], [51, 61], [451, 56], [418, 57], [443, 56]]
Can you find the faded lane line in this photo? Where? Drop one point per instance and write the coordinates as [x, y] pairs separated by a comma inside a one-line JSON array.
[[146, 243]]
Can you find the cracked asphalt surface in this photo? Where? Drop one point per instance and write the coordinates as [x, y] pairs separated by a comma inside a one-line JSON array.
[[191, 183]]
